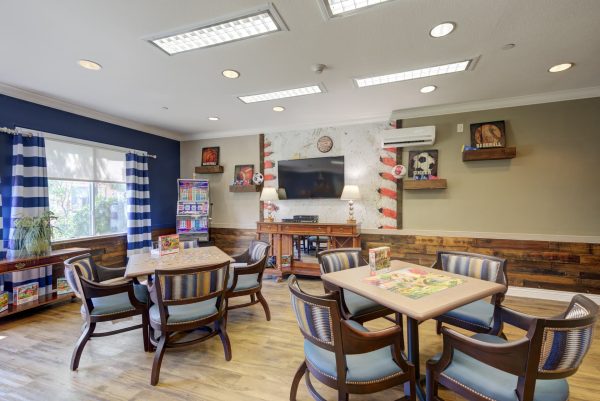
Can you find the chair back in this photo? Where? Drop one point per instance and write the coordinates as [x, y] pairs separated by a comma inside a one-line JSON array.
[[257, 250], [566, 340], [190, 244], [483, 267], [340, 259], [318, 317], [80, 266]]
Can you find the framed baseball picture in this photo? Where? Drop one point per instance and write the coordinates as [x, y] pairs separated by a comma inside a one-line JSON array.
[[488, 135], [422, 164], [210, 156]]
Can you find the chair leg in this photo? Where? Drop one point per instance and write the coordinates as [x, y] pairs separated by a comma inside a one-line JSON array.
[[224, 339], [431, 386], [342, 396], [145, 332], [83, 339], [252, 298], [158, 356], [297, 377], [264, 304], [400, 322], [311, 390], [438, 327]]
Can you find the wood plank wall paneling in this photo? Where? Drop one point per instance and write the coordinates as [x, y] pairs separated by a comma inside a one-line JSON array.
[[564, 266], [109, 251]]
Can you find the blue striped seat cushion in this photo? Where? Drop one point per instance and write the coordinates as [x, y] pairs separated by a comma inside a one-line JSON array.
[[336, 261], [481, 268], [258, 251]]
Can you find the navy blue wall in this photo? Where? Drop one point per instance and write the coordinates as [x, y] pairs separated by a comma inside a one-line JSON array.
[[164, 170]]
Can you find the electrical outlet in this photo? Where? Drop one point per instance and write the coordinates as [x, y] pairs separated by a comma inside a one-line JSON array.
[[459, 128]]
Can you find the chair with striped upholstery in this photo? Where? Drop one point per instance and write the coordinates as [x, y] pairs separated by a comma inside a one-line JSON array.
[[186, 300], [354, 306], [477, 316], [341, 353], [533, 368], [104, 302], [245, 276]]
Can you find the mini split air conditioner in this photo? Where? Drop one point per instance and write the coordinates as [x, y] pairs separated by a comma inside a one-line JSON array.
[[405, 137]]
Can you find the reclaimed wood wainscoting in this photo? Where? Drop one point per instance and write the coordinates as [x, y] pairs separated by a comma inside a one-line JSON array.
[[551, 265]]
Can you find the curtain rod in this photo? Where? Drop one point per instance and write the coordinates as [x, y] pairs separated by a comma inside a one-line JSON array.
[[15, 132]]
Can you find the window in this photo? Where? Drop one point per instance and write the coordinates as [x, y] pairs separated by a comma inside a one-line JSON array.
[[86, 186]]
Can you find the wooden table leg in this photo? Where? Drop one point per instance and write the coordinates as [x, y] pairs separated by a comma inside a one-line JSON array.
[[412, 335]]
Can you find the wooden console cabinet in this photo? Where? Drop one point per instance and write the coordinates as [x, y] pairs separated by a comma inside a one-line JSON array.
[[54, 258], [281, 237]]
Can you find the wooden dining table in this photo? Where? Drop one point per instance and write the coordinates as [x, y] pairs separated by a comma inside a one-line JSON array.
[[416, 309], [144, 264]]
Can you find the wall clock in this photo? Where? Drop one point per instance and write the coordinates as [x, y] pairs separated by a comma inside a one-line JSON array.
[[324, 144]]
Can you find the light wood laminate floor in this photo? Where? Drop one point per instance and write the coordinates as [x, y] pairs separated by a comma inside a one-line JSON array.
[[35, 349]]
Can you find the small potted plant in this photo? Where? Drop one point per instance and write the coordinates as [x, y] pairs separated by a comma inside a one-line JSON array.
[[33, 234]]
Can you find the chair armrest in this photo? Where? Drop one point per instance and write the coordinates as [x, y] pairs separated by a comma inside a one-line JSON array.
[[364, 341], [514, 318], [107, 273], [254, 268], [98, 290], [510, 357]]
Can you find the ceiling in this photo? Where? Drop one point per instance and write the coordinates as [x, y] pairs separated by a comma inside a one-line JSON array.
[[45, 39]]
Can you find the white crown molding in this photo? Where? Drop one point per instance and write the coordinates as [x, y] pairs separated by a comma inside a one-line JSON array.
[[45, 100], [551, 295], [525, 100], [587, 239]]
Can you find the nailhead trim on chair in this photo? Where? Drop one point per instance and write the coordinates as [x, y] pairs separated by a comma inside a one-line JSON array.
[[354, 382], [468, 388], [187, 321], [113, 313], [465, 322]]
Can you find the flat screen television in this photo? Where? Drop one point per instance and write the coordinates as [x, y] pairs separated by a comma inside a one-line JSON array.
[[317, 178]]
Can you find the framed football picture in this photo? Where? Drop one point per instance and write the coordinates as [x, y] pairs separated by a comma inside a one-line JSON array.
[[210, 156], [488, 135], [422, 164], [243, 174]]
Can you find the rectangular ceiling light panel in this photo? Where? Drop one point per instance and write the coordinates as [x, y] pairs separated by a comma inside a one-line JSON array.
[[263, 97], [256, 23], [413, 74], [338, 7]]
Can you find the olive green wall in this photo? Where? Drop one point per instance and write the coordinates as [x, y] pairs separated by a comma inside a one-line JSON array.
[[551, 187]]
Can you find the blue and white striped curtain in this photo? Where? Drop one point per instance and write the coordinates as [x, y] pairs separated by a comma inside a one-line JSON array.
[[29, 196], [139, 224], [2, 246]]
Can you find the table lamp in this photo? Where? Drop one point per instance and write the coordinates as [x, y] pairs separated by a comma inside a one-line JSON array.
[[269, 195], [350, 193]]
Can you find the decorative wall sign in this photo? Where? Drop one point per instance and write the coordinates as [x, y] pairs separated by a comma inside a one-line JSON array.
[[399, 171], [324, 144], [243, 174], [488, 135], [210, 156], [422, 164]]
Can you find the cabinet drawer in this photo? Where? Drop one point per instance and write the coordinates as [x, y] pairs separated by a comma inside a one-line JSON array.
[[344, 230], [267, 228], [305, 229]]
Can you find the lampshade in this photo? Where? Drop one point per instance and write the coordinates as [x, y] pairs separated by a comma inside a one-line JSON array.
[[269, 194], [350, 192], [281, 193]]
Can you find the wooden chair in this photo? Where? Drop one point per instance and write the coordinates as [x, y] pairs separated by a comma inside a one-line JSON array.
[[341, 353], [185, 300], [245, 276], [354, 306], [485, 367], [104, 302], [477, 316]]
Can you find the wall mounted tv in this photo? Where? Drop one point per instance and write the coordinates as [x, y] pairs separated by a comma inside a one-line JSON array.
[[317, 178]]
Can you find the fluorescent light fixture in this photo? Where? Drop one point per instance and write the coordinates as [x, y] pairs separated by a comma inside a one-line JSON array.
[[414, 74], [278, 108], [335, 8], [249, 24], [89, 65], [443, 29], [232, 74], [428, 89], [560, 67], [263, 97], [213, 118]]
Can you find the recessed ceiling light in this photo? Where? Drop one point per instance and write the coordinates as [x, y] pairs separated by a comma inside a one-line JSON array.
[[278, 108], [165, 108], [89, 65], [428, 89], [232, 74], [249, 24], [213, 118], [508, 46], [414, 74], [560, 67], [262, 97], [338, 7], [443, 29]]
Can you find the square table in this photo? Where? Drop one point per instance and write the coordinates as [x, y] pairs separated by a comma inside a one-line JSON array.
[[416, 310], [144, 264]]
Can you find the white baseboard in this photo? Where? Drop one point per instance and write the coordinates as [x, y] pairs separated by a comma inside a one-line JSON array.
[[551, 295]]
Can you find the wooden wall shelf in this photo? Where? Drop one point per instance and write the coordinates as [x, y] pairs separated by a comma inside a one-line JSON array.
[[425, 184], [489, 154], [244, 188], [209, 169]]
